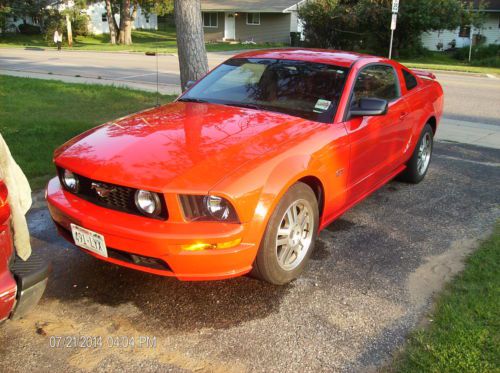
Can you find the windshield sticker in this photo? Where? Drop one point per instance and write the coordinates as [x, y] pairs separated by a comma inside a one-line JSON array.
[[322, 106]]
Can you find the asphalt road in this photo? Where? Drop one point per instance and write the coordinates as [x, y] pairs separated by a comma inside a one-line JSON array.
[[369, 283], [469, 97], [472, 105]]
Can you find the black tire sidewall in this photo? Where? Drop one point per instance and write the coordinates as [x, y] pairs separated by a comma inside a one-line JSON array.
[[266, 263], [411, 173]]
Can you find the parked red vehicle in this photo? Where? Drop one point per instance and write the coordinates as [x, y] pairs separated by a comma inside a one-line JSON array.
[[22, 283], [241, 172]]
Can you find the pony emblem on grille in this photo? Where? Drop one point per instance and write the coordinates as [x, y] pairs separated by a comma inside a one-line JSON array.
[[102, 190]]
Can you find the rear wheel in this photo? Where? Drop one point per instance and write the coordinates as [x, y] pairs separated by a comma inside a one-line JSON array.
[[289, 238], [417, 166]]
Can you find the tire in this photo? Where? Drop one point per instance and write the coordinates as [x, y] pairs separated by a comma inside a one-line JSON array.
[[284, 252], [416, 170]]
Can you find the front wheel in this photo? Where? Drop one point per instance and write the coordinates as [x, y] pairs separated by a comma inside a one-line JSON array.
[[417, 166], [289, 237]]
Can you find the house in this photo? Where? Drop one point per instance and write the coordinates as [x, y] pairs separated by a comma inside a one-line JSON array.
[[461, 37], [98, 19], [259, 21]]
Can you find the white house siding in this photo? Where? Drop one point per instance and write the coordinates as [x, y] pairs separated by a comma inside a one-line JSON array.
[[490, 30], [97, 26]]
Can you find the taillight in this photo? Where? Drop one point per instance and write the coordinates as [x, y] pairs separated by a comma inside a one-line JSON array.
[[4, 206]]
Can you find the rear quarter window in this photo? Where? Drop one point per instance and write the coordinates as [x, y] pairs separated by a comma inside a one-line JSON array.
[[410, 80]]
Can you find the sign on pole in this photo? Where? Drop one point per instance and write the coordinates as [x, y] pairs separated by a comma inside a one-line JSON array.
[[395, 6], [393, 21], [395, 9]]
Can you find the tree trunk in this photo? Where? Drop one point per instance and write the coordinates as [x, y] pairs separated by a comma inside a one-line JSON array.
[[125, 24], [190, 43], [111, 22], [69, 30]]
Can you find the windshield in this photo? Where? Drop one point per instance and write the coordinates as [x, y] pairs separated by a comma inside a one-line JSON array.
[[299, 88]]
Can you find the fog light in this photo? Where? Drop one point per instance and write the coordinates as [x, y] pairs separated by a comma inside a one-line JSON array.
[[198, 247]]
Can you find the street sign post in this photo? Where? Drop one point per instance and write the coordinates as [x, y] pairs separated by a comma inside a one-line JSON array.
[[395, 6], [395, 9]]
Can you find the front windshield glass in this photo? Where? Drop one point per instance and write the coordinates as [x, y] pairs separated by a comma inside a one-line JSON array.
[[304, 89]]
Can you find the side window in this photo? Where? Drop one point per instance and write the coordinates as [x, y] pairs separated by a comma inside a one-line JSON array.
[[410, 80], [376, 81]]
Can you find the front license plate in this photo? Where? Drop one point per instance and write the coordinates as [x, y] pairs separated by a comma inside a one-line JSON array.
[[89, 240]]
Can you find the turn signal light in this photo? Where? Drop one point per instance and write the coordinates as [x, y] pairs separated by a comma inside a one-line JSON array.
[[200, 246]]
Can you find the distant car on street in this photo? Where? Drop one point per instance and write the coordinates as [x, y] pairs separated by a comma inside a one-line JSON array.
[[243, 170], [22, 283]]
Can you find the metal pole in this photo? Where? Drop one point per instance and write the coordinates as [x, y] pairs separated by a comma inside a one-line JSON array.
[[470, 44], [390, 46]]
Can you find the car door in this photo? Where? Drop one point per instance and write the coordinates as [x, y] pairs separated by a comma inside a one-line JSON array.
[[375, 140]]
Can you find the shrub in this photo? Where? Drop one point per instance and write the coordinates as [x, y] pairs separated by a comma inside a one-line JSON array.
[[480, 52], [27, 29], [487, 62]]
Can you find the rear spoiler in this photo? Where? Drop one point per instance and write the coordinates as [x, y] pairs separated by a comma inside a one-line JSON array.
[[424, 74]]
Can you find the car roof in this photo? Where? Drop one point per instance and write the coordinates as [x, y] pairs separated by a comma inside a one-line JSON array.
[[327, 56]]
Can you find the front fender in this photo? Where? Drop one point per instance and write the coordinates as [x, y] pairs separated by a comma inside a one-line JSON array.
[[267, 184]]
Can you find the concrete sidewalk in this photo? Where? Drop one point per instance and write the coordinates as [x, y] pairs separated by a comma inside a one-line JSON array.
[[472, 133]]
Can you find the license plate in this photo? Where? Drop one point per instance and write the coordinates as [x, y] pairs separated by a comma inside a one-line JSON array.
[[89, 240]]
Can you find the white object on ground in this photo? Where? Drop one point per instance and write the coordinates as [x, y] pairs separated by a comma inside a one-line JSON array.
[[19, 199]]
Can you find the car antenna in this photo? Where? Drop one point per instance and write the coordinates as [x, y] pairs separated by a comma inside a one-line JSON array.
[[157, 79]]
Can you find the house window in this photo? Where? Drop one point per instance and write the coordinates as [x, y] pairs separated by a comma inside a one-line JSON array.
[[147, 18], [253, 18], [210, 20], [464, 31], [104, 17]]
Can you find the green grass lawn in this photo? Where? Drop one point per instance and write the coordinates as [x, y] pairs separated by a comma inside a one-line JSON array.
[[464, 335], [443, 61], [36, 116], [143, 41]]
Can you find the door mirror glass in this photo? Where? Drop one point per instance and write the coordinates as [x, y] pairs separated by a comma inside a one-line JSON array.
[[369, 107]]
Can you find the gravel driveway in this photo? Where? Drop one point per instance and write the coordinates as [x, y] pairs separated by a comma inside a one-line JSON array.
[[369, 283]]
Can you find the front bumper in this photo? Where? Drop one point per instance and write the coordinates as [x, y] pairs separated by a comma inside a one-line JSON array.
[[129, 236], [31, 277]]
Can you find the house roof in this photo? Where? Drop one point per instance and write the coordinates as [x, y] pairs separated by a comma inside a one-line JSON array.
[[263, 6]]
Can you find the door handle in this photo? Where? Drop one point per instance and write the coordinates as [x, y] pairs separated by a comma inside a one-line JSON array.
[[403, 116]]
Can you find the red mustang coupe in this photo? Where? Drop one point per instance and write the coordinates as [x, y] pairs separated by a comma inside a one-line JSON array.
[[240, 173]]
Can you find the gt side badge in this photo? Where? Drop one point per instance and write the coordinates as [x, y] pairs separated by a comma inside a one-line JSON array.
[[339, 172]]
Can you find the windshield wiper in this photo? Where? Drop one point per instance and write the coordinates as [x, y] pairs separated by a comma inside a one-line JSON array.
[[243, 105], [189, 99]]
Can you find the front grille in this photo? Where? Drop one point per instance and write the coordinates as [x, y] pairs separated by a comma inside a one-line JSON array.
[[119, 198]]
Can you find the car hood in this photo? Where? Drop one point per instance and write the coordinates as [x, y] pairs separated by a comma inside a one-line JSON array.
[[188, 146]]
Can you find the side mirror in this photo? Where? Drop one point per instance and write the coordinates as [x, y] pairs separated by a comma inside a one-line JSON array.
[[369, 107], [189, 84]]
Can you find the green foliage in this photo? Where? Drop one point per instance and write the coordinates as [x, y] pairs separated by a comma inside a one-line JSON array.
[[40, 115], [478, 52], [464, 335], [27, 29], [365, 24], [487, 62]]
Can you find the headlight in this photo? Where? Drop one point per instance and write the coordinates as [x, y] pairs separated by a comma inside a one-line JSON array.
[[208, 208], [70, 181], [148, 203]]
